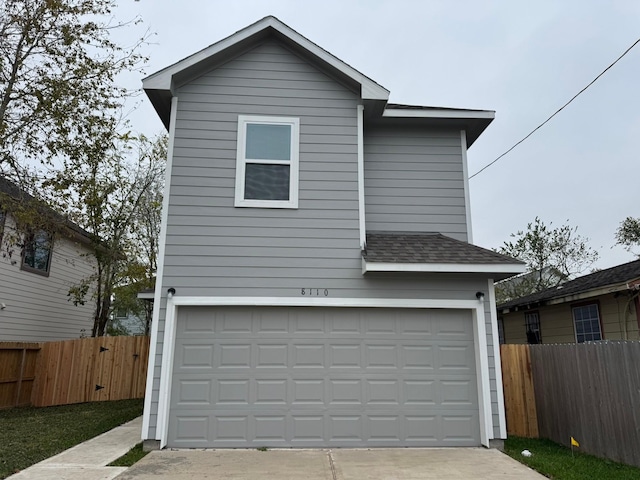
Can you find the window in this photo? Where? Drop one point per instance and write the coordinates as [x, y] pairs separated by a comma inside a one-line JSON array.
[[586, 320], [267, 162], [532, 326], [36, 254], [3, 218]]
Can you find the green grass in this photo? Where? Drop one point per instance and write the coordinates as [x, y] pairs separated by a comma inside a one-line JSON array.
[[30, 435], [129, 458], [555, 461]]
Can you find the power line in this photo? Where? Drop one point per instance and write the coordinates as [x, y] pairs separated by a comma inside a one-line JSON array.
[[557, 111]]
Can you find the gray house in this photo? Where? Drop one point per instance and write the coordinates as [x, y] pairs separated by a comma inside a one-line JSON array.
[[317, 285]]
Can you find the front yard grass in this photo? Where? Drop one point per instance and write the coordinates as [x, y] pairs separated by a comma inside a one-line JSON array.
[[555, 461], [30, 435]]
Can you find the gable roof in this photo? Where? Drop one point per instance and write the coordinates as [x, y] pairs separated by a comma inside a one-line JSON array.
[[14, 192], [620, 277], [433, 252], [160, 86]]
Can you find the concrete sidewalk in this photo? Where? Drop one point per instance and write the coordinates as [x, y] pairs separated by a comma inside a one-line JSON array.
[[88, 460]]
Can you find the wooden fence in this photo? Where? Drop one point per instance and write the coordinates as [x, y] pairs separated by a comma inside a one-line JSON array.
[[17, 372], [590, 392], [73, 371], [519, 396]]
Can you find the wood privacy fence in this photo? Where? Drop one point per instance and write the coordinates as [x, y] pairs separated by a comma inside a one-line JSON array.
[[73, 371], [590, 392]]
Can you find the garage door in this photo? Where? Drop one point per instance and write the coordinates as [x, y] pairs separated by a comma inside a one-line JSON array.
[[320, 377]]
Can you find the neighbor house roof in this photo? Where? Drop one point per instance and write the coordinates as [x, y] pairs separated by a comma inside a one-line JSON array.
[[160, 87], [431, 252], [620, 277], [18, 194]]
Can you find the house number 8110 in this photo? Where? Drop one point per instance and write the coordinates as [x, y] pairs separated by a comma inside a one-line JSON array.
[[315, 292]]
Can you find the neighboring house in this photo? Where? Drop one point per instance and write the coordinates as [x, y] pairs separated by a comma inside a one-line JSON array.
[[600, 306], [317, 285], [37, 268], [521, 285]]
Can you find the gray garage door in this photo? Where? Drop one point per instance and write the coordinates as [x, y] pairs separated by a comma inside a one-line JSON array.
[[319, 377]]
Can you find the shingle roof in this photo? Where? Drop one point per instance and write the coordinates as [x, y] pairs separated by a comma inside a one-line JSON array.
[[402, 106], [428, 248], [10, 189], [611, 276]]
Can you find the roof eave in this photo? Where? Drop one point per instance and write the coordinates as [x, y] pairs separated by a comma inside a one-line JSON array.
[[573, 297], [496, 271]]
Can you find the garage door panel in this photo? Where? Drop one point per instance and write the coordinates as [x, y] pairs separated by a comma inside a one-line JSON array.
[[251, 377]]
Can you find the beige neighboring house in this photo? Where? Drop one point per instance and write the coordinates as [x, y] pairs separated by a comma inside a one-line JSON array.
[[603, 305], [36, 271]]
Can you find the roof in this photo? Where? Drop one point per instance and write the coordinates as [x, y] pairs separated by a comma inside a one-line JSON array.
[[616, 278], [160, 86], [10, 189], [433, 252]]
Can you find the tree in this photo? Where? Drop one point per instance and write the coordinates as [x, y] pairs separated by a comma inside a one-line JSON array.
[[107, 194], [552, 255], [628, 234], [58, 67]]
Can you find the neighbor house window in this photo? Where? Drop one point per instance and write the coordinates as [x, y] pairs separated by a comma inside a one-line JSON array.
[[532, 327], [267, 162], [586, 319], [36, 255], [501, 330], [3, 219]]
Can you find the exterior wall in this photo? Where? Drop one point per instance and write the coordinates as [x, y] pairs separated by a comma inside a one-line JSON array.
[[556, 321], [37, 307], [414, 181], [214, 249]]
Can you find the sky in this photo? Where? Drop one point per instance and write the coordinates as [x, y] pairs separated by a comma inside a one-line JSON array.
[[522, 59]]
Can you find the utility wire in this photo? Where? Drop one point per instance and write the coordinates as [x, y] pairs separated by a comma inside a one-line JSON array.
[[557, 111]]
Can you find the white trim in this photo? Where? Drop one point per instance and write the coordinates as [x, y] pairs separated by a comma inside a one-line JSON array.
[[438, 113], [465, 176], [361, 210], [158, 290], [497, 359], [293, 162], [475, 306], [503, 268], [162, 80], [164, 399], [482, 373]]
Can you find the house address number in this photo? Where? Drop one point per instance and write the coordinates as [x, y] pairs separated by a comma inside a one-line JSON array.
[[315, 292]]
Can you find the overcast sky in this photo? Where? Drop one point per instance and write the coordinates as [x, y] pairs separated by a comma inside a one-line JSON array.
[[522, 59]]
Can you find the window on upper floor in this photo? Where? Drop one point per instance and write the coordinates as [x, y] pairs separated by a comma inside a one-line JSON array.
[[267, 162], [532, 327], [36, 253], [586, 320]]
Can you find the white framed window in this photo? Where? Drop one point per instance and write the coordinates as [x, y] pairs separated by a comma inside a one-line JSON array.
[[267, 162], [586, 319]]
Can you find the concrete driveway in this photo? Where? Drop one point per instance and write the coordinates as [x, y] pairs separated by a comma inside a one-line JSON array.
[[341, 464]]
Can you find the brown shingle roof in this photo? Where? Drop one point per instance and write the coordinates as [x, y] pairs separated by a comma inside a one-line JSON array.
[[428, 248], [611, 276]]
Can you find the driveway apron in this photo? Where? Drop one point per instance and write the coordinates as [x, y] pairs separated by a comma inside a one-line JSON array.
[[336, 464]]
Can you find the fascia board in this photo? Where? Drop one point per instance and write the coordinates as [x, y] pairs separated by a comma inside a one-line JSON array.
[[433, 113], [443, 267]]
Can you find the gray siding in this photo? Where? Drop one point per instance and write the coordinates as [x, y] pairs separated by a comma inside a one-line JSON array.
[[37, 307], [414, 181], [214, 249]]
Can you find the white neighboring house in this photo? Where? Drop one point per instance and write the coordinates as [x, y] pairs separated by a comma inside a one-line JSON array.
[[36, 271]]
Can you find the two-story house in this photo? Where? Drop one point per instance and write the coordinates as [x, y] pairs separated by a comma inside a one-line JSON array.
[[38, 266], [317, 284]]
